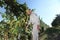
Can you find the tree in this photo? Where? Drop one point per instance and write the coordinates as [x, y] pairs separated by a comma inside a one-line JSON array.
[[56, 21], [43, 28], [53, 33], [15, 20]]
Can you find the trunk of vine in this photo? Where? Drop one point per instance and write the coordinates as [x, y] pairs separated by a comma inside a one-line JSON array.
[[12, 37], [6, 36]]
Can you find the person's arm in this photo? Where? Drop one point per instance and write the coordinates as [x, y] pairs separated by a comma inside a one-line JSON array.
[[38, 27], [38, 23]]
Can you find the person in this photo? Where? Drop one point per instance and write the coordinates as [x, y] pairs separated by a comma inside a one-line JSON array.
[[34, 19]]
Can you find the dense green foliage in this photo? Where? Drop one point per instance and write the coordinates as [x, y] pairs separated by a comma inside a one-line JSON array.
[[43, 28], [43, 25], [14, 21], [56, 21]]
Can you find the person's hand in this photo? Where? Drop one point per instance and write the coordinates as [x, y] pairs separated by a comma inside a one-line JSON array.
[[38, 27]]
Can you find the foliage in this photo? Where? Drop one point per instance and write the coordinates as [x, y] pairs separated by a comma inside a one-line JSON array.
[[14, 20], [52, 33], [56, 21], [43, 28], [43, 25]]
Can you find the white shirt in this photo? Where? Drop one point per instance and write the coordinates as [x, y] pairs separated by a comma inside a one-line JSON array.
[[34, 19]]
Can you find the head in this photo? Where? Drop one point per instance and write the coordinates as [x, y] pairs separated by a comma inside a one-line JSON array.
[[28, 11]]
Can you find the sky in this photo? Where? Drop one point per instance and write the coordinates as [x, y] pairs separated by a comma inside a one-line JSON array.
[[1, 10], [46, 9]]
